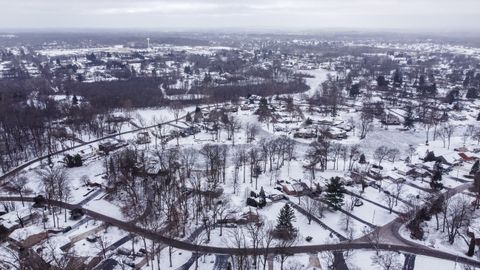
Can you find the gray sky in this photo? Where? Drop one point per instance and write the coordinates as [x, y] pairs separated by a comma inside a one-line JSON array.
[[438, 15]]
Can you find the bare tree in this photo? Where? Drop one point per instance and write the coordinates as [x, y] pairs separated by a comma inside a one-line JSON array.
[[398, 188], [188, 158], [267, 236], [237, 239], [176, 108], [233, 126], [387, 260], [317, 154], [353, 156], [18, 184], [392, 154], [458, 216], [449, 129], [346, 219], [251, 131], [390, 200], [310, 207], [380, 153], [255, 235], [283, 245], [366, 123], [56, 186], [102, 243]]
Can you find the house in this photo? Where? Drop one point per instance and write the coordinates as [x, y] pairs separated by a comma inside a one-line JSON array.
[[447, 160], [249, 217], [375, 174], [245, 108], [111, 145], [108, 264], [232, 109], [242, 219], [390, 119], [464, 157], [143, 138], [124, 251], [295, 189], [16, 219], [76, 214], [335, 133], [418, 173], [192, 130], [305, 133]]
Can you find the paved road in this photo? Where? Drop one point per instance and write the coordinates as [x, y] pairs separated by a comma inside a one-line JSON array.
[[373, 202], [132, 228], [345, 212], [90, 197], [386, 192], [221, 262], [339, 261], [120, 242], [26, 164], [409, 263], [317, 220], [81, 222], [190, 262], [194, 256]]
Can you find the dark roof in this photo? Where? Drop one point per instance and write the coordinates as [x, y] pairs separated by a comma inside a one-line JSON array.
[[108, 264]]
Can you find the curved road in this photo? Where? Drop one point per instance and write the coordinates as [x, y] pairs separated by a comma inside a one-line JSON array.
[[419, 250], [391, 229], [30, 162]]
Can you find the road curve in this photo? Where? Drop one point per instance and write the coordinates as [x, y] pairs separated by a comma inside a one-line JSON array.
[[132, 228], [32, 161]]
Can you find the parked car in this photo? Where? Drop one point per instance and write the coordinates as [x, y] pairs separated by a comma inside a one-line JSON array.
[[129, 263], [92, 238], [374, 185], [358, 202]]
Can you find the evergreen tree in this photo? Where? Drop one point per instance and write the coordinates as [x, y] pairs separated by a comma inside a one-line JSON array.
[[421, 81], [284, 228], [476, 188], [472, 93], [355, 90], [335, 192], [74, 100], [73, 161], [262, 198], [188, 117], [362, 159], [69, 162], [398, 77], [198, 116], [77, 160], [436, 181], [381, 81], [187, 70], [264, 112], [308, 122], [408, 122], [430, 157], [471, 247], [261, 194], [475, 167], [111, 168]]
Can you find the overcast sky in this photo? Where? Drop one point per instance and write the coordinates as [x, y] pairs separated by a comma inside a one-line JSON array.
[[438, 15]]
